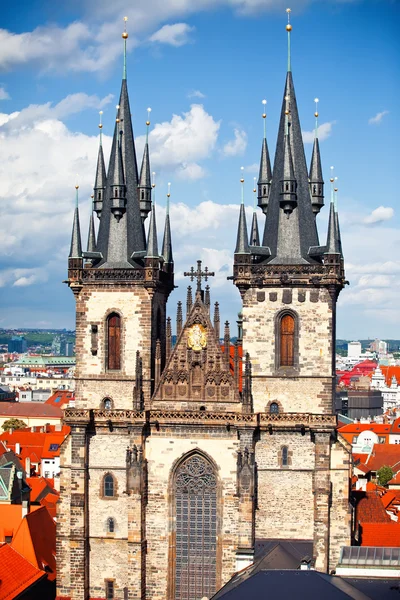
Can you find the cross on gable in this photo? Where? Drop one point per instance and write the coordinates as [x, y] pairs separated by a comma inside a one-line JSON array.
[[199, 274]]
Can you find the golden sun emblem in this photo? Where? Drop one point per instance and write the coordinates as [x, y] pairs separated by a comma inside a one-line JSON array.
[[197, 338]]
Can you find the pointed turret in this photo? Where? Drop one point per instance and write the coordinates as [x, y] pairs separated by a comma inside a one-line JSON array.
[[339, 237], [91, 244], [332, 241], [242, 240], [101, 179], [315, 176], [145, 177], [152, 244], [255, 236], [290, 229], [265, 173], [167, 241], [118, 199], [76, 243]]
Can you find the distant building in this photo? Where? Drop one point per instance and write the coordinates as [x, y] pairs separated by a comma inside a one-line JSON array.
[[379, 346], [390, 390], [67, 348], [353, 349], [17, 344], [356, 404]]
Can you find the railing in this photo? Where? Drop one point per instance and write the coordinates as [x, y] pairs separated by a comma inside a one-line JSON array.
[[133, 274]]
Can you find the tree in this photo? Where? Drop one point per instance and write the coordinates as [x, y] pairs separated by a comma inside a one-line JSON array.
[[385, 474], [13, 424]]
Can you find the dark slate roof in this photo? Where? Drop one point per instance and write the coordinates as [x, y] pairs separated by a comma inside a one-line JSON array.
[[377, 589], [332, 241], [167, 242], [302, 585], [145, 177], [242, 240], [101, 179], [91, 245], [117, 241], [290, 238], [152, 244], [265, 173], [339, 237], [315, 167], [254, 235], [76, 243]]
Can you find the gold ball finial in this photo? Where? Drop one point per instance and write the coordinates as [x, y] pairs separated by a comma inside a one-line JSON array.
[[331, 180], [92, 196], [315, 114], [289, 27], [242, 178], [335, 189], [77, 187], [286, 112], [125, 33]]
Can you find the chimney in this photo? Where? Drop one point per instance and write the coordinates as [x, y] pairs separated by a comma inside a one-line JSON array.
[[25, 508], [17, 448], [28, 466]]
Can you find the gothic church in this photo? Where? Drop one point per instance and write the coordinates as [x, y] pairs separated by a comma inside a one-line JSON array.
[[183, 457]]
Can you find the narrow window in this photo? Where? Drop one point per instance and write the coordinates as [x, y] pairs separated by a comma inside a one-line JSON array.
[[110, 525], [287, 341], [114, 342], [274, 408], [285, 457], [265, 190], [107, 404], [142, 194], [109, 590], [108, 485]]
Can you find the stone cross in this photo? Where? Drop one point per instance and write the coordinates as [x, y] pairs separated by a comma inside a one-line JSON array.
[[199, 274]]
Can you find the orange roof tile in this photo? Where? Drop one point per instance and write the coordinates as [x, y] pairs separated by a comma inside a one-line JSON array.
[[384, 454], [381, 534], [29, 409], [16, 573], [388, 372], [357, 428], [60, 398], [10, 519], [369, 508]]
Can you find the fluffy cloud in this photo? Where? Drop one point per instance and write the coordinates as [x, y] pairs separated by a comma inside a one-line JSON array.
[[4, 95], [380, 214], [173, 35], [324, 131], [178, 144], [22, 277], [238, 145], [196, 94], [377, 118]]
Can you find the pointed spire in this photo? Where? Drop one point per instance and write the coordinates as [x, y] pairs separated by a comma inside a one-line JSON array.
[[265, 173], [145, 177], [167, 241], [124, 37], [117, 182], [179, 319], [152, 244], [227, 343], [101, 179], [207, 297], [339, 237], [157, 373], [289, 29], [189, 300], [91, 244], [216, 321], [242, 240], [315, 176], [332, 242], [254, 236], [168, 336], [76, 243], [288, 198]]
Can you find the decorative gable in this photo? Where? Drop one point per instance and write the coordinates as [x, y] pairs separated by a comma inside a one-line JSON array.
[[197, 371]]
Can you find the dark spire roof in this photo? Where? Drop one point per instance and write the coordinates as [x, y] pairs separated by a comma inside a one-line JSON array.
[[145, 176], [264, 177], [76, 243], [290, 237], [167, 240], [332, 242], [152, 244], [316, 179], [101, 179], [242, 240], [254, 237], [117, 241], [339, 237], [91, 244]]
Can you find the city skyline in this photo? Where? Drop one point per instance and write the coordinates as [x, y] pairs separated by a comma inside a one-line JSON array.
[[204, 74]]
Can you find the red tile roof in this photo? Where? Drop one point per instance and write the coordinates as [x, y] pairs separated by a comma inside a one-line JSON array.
[[10, 519], [16, 573], [29, 409], [34, 445], [388, 372], [370, 509], [381, 534], [384, 455], [357, 428], [60, 398]]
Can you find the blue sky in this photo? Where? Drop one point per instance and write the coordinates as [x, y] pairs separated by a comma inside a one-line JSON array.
[[204, 68]]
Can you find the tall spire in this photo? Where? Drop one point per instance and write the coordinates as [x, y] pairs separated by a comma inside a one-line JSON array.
[[145, 179], [315, 176], [152, 244], [76, 243], [339, 237], [265, 173], [254, 237], [91, 244], [242, 240], [332, 242], [290, 229], [118, 200], [101, 179], [122, 243], [167, 241]]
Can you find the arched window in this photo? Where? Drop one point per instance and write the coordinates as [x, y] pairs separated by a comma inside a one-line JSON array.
[[108, 486], [285, 456], [286, 333], [110, 525], [114, 342], [195, 490], [107, 404], [274, 408]]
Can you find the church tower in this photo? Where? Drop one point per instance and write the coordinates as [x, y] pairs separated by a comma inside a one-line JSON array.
[[289, 287]]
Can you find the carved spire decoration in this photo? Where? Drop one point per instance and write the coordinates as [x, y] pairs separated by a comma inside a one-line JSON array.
[[216, 321], [207, 297], [189, 300], [179, 319], [157, 363], [246, 393], [227, 342], [168, 336], [138, 390]]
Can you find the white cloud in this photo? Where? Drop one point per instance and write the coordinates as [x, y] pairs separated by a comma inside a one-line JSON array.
[[180, 143], [238, 145], [4, 95], [196, 94], [22, 277], [324, 131], [378, 215], [173, 35], [377, 118], [254, 168]]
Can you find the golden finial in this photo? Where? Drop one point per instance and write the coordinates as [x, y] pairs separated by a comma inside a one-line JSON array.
[[264, 116], [148, 116], [125, 33], [153, 184], [169, 190], [100, 124], [242, 178], [254, 183], [288, 26], [76, 186], [117, 118], [316, 100], [335, 190], [92, 196], [332, 179]]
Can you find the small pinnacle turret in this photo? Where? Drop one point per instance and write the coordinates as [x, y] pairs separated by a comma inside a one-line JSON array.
[[338, 235], [76, 242], [265, 173], [145, 176], [242, 240], [152, 244], [91, 244], [101, 179], [315, 176], [167, 241], [254, 236], [118, 197]]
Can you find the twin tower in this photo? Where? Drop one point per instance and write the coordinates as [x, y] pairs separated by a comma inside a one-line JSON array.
[[179, 466]]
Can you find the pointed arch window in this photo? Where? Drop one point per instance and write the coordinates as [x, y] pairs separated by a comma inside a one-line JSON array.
[[108, 486], [287, 335], [114, 342], [195, 491], [110, 525]]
